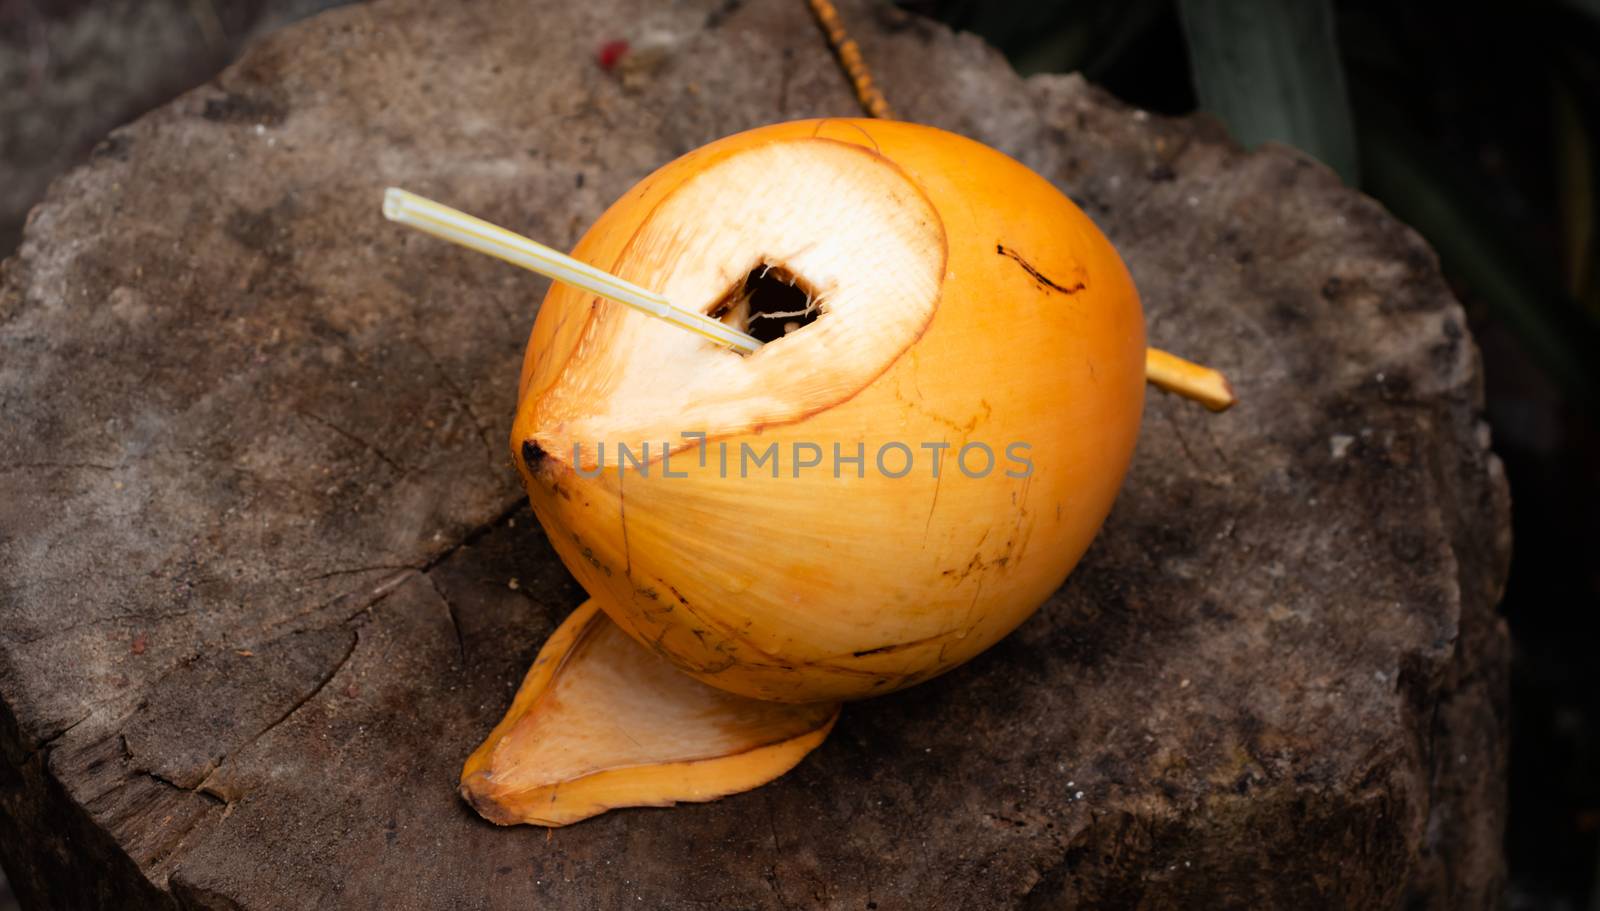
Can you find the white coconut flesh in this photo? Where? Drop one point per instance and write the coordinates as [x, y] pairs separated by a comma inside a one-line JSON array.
[[824, 247]]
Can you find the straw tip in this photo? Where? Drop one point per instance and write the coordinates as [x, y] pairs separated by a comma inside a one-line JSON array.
[[394, 203]]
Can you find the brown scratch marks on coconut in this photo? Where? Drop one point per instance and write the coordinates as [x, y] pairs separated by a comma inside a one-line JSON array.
[[977, 563], [1078, 282], [972, 610], [1019, 540], [938, 482], [727, 634], [622, 516], [588, 554], [963, 430], [894, 647]]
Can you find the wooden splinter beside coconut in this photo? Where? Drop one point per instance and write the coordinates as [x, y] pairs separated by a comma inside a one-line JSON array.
[[808, 290]]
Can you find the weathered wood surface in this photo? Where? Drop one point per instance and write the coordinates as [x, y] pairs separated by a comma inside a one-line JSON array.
[[265, 580], [71, 71]]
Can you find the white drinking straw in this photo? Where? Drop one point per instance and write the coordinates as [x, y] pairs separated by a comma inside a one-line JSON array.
[[474, 233]]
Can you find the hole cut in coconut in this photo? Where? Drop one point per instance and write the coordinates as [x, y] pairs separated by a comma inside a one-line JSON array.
[[770, 303], [853, 231]]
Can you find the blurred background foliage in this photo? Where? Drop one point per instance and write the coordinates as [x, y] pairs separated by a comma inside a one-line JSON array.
[[1479, 125]]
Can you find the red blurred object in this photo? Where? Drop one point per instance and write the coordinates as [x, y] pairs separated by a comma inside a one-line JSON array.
[[610, 53]]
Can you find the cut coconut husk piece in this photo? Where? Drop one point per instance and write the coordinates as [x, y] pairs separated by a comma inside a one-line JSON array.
[[600, 722]]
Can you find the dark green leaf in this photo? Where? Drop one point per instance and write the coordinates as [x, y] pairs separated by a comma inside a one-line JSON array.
[[1270, 70], [1476, 247]]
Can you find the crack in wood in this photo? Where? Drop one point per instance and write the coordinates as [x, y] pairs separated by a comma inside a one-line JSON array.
[[459, 396], [455, 622], [382, 456], [317, 688]]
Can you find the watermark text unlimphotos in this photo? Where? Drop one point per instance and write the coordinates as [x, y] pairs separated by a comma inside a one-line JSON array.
[[801, 459]]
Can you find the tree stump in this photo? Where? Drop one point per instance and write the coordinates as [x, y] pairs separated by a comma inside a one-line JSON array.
[[267, 579]]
